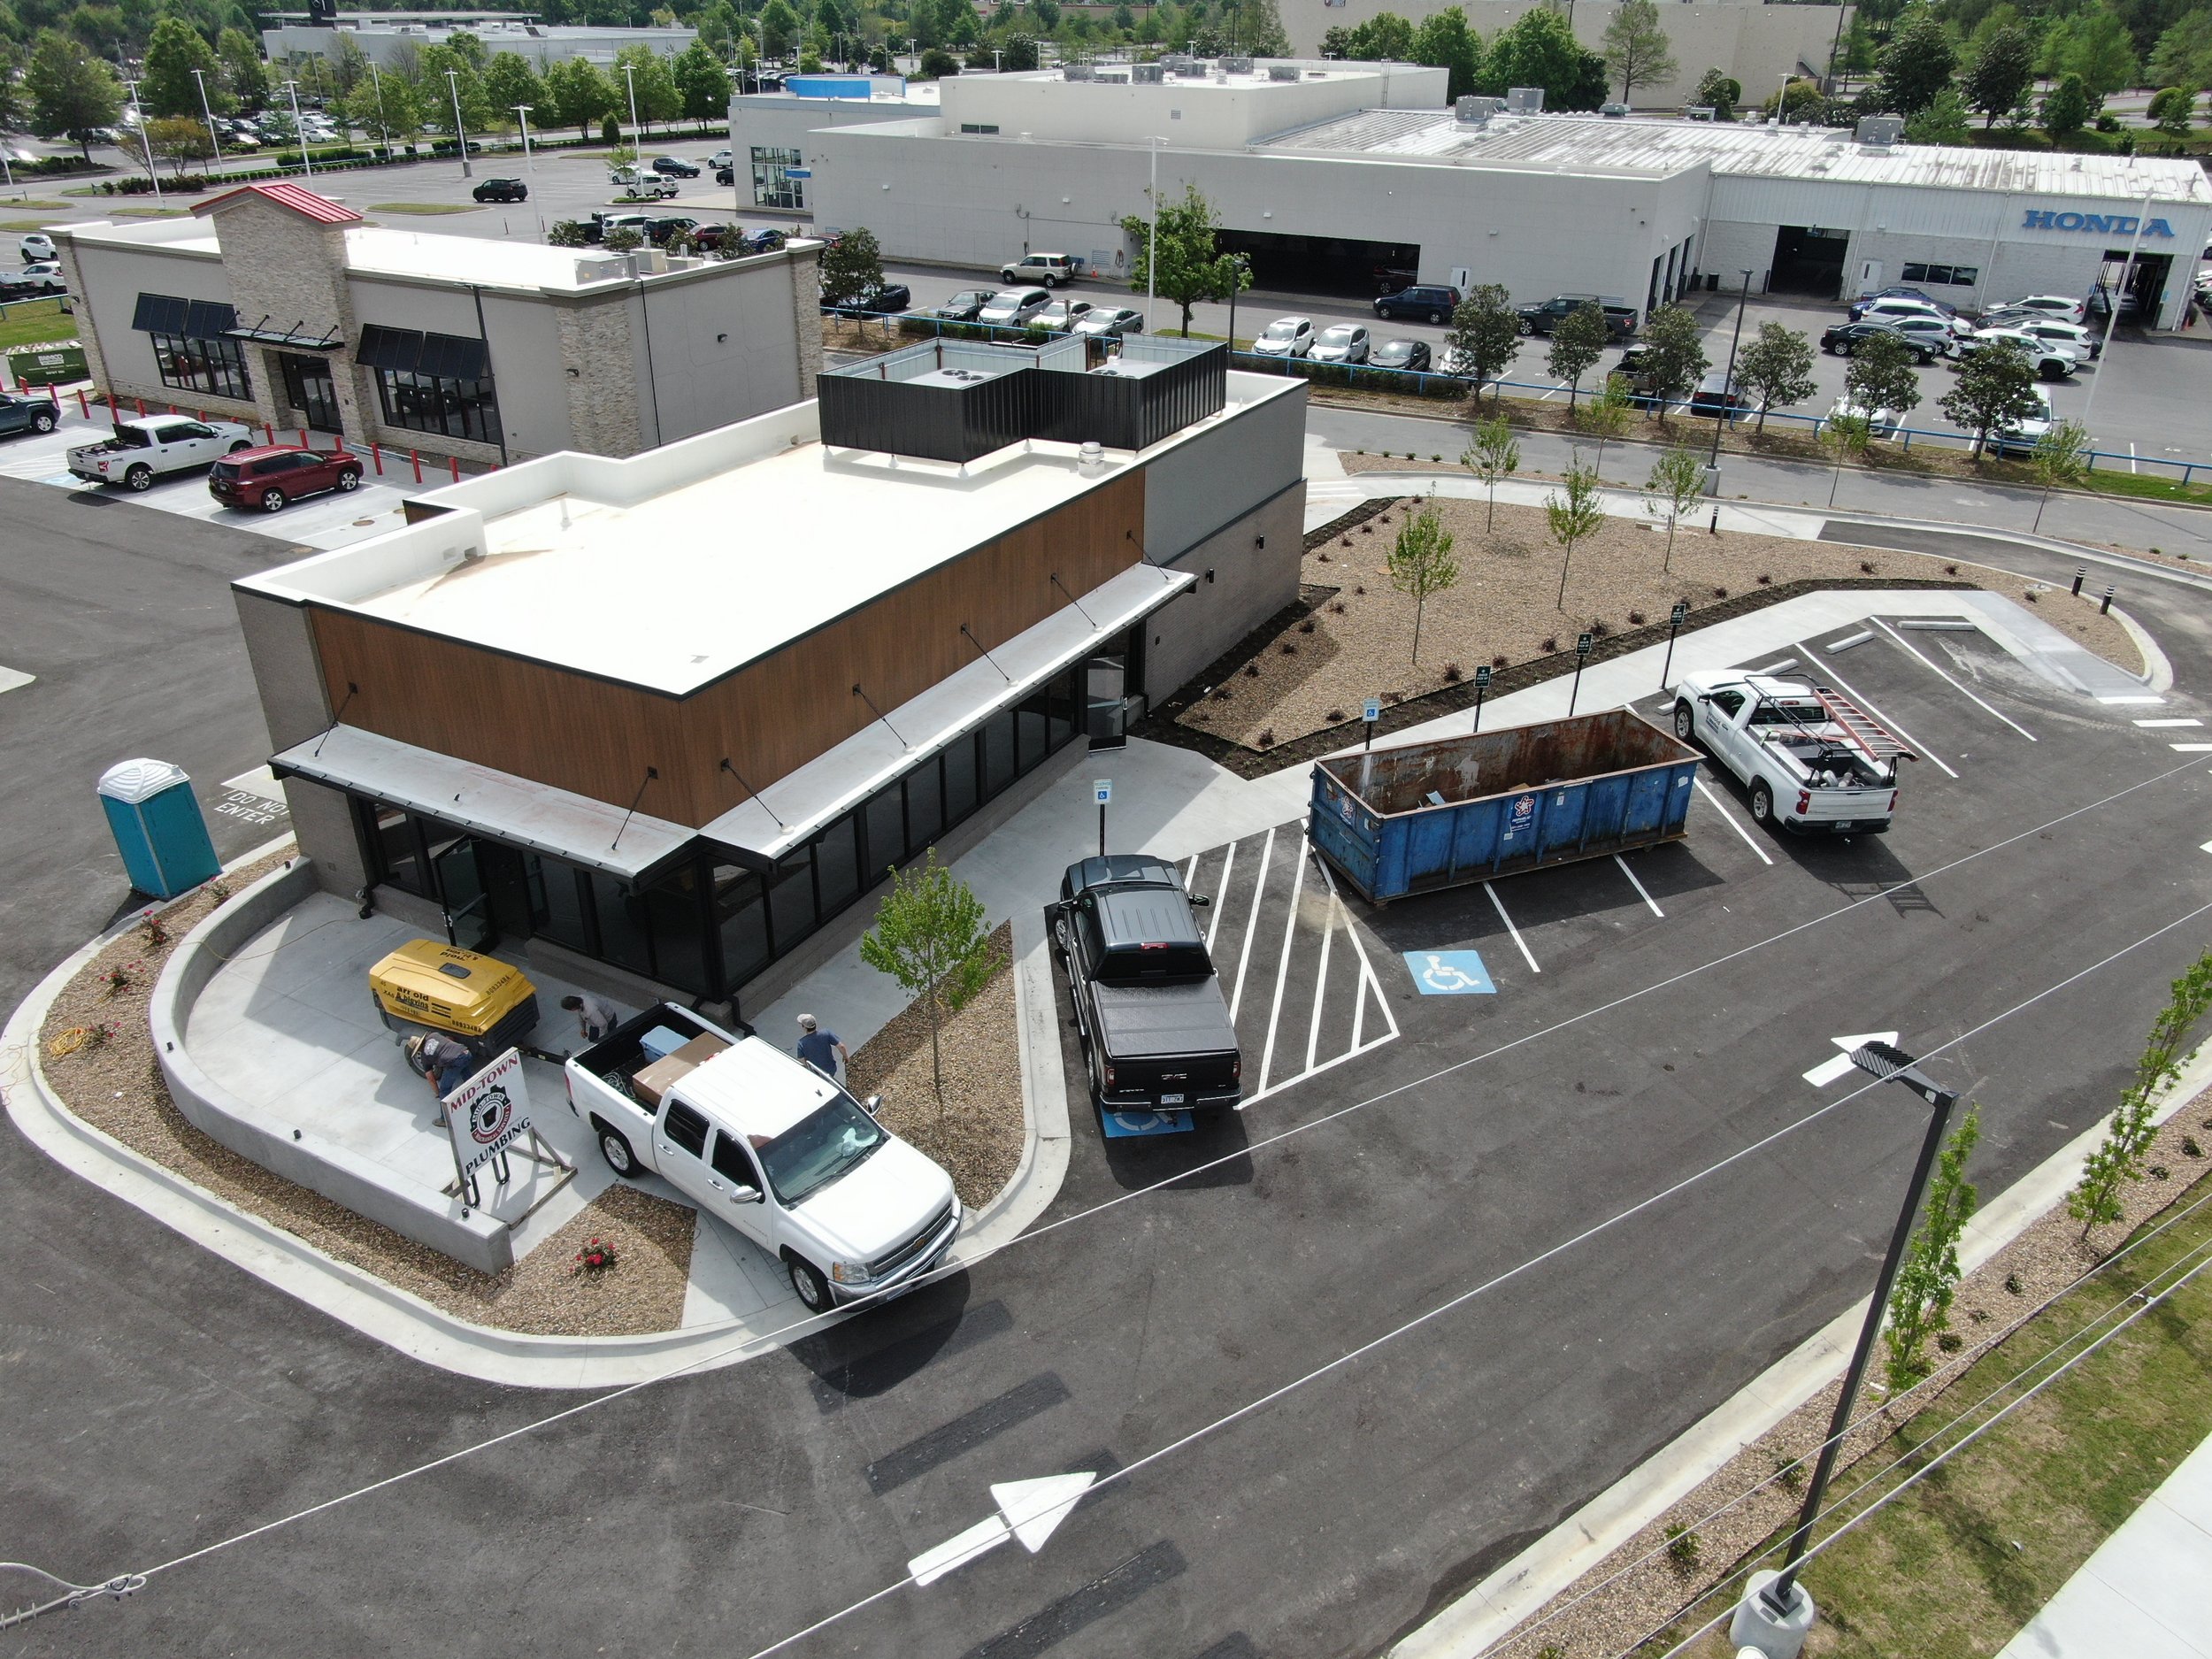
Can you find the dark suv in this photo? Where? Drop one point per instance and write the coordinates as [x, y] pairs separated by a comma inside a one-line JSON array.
[[675, 168], [502, 190], [1620, 316], [1427, 304], [269, 476]]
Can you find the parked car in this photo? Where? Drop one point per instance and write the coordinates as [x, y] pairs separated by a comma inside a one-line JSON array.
[[1423, 303], [1046, 270], [33, 281], [35, 248], [1880, 423], [1716, 396], [1412, 356], [1807, 756], [1115, 320], [1900, 311], [2057, 305], [881, 302], [273, 474], [2052, 362], [1620, 316], [143, 450], [1845, 338], [1062, 315], [2085, 343], [964, 306], [710, 238], [660, 232], [20, 413], [1340, 342], [502, 190], [725, 175], [764, 240], [722, 159], [1858, 306], [675, 167], [1934, 333], [2022, 436], [641, 186], [1285, 337], [1012, 308]]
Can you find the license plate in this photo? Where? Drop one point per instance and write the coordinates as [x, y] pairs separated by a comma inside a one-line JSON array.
[[1846, 822], [1170, 1100]]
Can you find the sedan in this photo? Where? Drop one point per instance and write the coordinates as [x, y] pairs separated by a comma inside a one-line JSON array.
[[964, 306], [1011, 307], [1845, 338], [1341, 342], [1062, 315], [675, 167], [2083, 343], [502, 190], [26, 414], [881, 302], [1285, 337], [1111, 320], [1412, 356], [724, 175]]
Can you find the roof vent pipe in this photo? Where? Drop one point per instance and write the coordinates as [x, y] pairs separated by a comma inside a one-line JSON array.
[[1090, 460]]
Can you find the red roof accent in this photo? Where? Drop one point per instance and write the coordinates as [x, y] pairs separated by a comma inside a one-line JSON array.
[[300, 199]]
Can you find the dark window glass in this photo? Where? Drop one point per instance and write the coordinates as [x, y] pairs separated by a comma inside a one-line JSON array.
[[791, 900], [887, 834], [556, 908], [679, 925], [925, 806], [215, 367], [429, 403], [624, 938], [309, 385], [959, 780], [686, 1128], [772, 185], [732, 1162], [1064, 695], [398, 852], [998, 752], [1031, 740], [837, 865], [741, 911]]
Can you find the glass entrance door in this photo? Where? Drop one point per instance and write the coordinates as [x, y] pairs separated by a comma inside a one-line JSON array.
[[309, 385], [462, 893], [1106, 683]]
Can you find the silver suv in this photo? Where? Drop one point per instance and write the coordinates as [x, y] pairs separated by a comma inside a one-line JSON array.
[[1047, 270]]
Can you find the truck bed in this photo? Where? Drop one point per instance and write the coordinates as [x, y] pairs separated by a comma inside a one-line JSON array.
[[619, 1057], [1148, 1022]]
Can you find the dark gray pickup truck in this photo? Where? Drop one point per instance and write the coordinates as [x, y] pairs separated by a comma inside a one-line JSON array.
[[1156, 1034]]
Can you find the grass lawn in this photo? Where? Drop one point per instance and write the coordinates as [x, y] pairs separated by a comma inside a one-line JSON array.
[[33, 323], [423, 207], [1956, 1565], [2105, 482]]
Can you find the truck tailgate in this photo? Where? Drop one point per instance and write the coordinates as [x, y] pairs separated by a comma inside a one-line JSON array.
[[1156, 1021], [1831, 806]]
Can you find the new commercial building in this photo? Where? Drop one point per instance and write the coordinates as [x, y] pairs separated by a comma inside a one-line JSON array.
[[277, 306], [389, 39], [657, 722], [1352, 178]]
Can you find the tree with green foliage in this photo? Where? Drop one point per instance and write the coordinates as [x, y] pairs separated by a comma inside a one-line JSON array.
[[243, 70], [2173, 110], [1673, 492], [1719, 92], [103, 29], [1797, 101], [577, 95], [718, 27], [2096, 45], [1577, 343], [1177, 258], [1605, 417], [2066, 107], [1384, 38], [1444, 41], [1674, 357], [1539, 50], [509, 81], [2118, 1158], [1573, 518], [2183, 57], [387, 106], [1776, 368], [702, 84], [1258, 29], [2000, 72], [1881, 375], [178, 140], [1845, 438], [1943, 122], [657, 99], [1637, 53], [1421, 563], [71, 93], [2062, 456], [779, 29], [1927, 1278], [1917, 62], [929, 935], [1995, 390], [851, 267], [936, 64], [439, 94], [1485, 336], [173, 52], [1494, 455]]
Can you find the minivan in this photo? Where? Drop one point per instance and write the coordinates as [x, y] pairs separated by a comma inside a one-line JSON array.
[[1427, 304]]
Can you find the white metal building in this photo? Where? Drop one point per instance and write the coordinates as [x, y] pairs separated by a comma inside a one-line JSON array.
[[387, 38]]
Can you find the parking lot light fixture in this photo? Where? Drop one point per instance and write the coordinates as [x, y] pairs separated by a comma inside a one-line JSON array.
[[460, 130], [213, 138], [2112, 308], [1727, 386], [306, 166], [145, 144], [529, 167], [637, 133], [383, 132]]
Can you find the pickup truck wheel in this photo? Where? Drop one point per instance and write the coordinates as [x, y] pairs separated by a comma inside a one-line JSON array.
[[139, 477], [1685, 720], [44, 421], [615, 1149], [1761, 804], [240, 444], [813, 1288]]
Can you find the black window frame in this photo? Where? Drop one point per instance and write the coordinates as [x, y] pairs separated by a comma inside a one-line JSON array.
[[772, 185], [439, 405], [670, 1108], [213, 368]]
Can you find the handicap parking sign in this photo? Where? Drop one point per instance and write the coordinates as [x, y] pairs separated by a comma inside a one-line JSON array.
[[1449, 973]]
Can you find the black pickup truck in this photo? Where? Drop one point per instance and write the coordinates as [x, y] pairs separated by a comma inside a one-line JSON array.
[[1156, 1034]]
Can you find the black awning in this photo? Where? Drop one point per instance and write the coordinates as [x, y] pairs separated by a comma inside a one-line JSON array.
[[383, 348], [192, 319], [440, 357], [331, 340]]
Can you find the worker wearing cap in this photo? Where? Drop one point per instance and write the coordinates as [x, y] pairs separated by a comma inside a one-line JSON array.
[[596, 1015], [820, 1048], [444, 1064]]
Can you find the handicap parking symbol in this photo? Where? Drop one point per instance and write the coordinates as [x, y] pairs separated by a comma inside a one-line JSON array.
[[1449, 973], [1129, 1125]]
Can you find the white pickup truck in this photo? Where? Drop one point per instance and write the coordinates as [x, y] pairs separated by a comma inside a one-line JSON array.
[[1811, 759], [772, 1146], [141, 451]]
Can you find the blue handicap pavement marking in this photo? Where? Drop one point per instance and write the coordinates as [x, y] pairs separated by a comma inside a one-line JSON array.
[[1449, 973], [1127, 1126]]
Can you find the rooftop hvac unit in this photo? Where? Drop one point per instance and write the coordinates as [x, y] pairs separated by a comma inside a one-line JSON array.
[[1698, 112], [1080, 72], [1473, 110], [1113, 77], [1236, 65], [1880, 130], [1524, 100], [1146, 75], [649, 262], [1282, 71], [605, 267]]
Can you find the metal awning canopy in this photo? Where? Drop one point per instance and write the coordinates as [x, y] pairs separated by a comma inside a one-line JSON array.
[[293, 338], [499, 805], [760, 830]]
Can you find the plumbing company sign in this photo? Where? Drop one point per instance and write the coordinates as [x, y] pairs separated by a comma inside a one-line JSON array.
[[2098, 223]]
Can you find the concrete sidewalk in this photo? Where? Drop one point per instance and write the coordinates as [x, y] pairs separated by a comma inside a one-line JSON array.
[[2143, 1594]]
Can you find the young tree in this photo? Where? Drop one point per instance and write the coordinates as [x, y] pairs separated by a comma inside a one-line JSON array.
[[1675, 361], [1190, 268], [1995, 389], [1920, 1298], [385, 105], [1422, 564], [439, 95], [2061, 456], [577, 94], [2066, 107], [936, 64], [1445, 41], [1845, 438], [1943, 122], [2173, 110], [1574, 516], [509, 81], [2000, 72], [1676, 486], [1605, 417], [703, 84], [1636, 49], [1576, 346], [2118, 1158], [1917, 62], [929, 936], [852, 268], [1777, 367], [1495, 454], [1485, 334], [178, 140], [1881, 375], [71, 93], [657, 100], [1259, 30], [243, 70], [1719, 92], [174, 51], [1539, 49]]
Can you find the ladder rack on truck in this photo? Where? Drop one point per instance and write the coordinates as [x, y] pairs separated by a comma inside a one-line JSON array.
[[1867, 734]]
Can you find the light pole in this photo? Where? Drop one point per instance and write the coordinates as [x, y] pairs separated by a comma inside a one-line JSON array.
[[383, 132], [1774, 1608], [145, 143], [1152, 236], [460, 131], [1712, 466], [213, 138], [1236, 281], [637, 136], [299, 132], [530, 167], [2112, 302]]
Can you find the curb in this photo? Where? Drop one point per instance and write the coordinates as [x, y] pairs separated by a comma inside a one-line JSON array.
[[1490, 1612]]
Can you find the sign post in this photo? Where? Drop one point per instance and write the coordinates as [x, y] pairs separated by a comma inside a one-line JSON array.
[[1370, 712], [1582, 656], [1482, 688], [1675, 618], [1102, 792], [484, 1116]]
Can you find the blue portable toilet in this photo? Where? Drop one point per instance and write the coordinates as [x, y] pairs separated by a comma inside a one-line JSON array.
[[158, 827]]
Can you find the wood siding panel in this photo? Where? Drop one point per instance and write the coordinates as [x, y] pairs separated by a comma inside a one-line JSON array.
[[596, 738]]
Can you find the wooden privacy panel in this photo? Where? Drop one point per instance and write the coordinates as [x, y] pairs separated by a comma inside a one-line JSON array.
[[596, 737]]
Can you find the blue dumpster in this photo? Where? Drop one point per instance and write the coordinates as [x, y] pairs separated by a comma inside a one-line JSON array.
[[1422, 816], [155, 820]]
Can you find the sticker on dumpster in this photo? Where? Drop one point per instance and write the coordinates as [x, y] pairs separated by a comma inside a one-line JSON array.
[[1128, 1125], [1520, 815], [1449, 973]]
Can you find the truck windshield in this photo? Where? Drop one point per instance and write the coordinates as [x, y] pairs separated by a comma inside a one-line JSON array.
[[821, 1147]]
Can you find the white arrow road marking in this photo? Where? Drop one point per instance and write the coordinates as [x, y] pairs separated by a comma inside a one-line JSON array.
[[1833, 1070], [1028, 1509]]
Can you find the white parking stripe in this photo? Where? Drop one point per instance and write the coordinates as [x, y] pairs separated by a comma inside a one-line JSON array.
[[1948, 680], [1742, 835], [1252, 926], [2191, 748], [1321, 982], [1918, 746], [1498, 905], [1282, 963], [2185, 721], [1190, 872], [1221, 892], [1639, 885], [2131, 697]]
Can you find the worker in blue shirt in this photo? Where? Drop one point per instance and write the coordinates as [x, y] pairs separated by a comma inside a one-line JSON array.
[[820, 1048]]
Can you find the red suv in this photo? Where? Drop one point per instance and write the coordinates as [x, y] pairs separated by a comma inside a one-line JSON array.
[[268, 477]]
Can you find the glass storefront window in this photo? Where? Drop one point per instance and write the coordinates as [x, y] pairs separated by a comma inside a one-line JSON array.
[[623, 937], [960, 796], [216, 366], [791, 900], [433, 403], [557, 906], [741, 913], [678, 923], [395, 847], [998, 752], [1062, 698], [773, 184], [837, 865], [886, 825], [925, 807]]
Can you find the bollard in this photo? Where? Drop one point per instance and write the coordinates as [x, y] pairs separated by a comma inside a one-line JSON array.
[[2105, 608], [416, 457], [376, 454], [456, 461], [2078, 568], [268, 434], [142, 407], [84, 405], [53, 395]]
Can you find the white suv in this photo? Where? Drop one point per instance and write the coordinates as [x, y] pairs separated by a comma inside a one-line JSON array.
[[1285, 337], [2056, 306], [1895, 311], [1047, 270]]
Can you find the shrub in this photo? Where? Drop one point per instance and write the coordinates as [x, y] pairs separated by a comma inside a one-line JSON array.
[[1789, 1470], [1437, 458], [1326, 559], [1348, 539], [1289, 648], [1335, 717], [155, 932], [1222, 693], [2014, 1286], [1682, 1548], [2032, 597], [1866, 567], [1601, 628], [1306, 626], [1267, 737], [1368, 528], [1498, 661], [2190, 1149], [2160, 1173], [1950, 570], [1720, 592], [1635, 618], [1452, 676], [1765, 580], [1336, 607], [1251, 670], [1358, 589], [1550, 644]]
